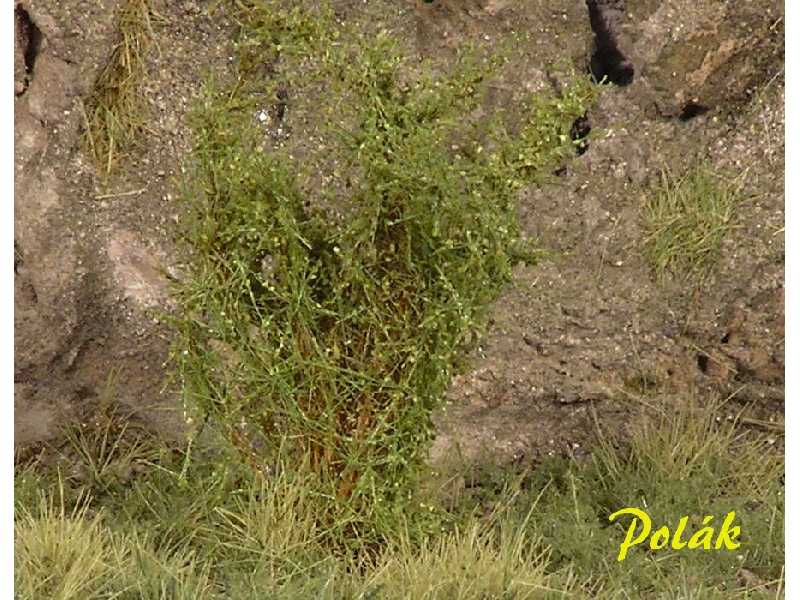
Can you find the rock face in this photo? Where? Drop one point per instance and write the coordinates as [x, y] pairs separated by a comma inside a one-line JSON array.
[[571, 340], [93, 255], [75, 325], [48, 274], [702, 56], [586, 333]]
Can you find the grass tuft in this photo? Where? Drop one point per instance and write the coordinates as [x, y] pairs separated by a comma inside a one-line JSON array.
[[115, 114], [59, 554], [64, 554], [686, 219]]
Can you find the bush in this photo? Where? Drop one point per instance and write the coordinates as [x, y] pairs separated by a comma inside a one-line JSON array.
[[322, 321]]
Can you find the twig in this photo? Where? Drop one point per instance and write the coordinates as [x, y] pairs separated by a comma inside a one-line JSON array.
[[120, 194]]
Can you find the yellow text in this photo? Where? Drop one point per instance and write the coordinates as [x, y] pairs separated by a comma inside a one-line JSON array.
[[641, 526]]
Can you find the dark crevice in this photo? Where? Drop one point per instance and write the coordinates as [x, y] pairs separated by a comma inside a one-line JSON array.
[[692, 110], [22, 286], [579, 132], [17, 258], [279, 109], [27, 293], [607, 61], [84, 393], [30, 40], [702, 363], [610, 65], [33, 39]]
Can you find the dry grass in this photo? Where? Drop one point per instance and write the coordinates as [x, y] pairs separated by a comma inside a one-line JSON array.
[[115, 115]]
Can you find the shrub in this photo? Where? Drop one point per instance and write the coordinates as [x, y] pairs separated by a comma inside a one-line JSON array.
[[321, 320]]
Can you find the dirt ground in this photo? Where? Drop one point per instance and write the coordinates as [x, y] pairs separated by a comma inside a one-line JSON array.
[[584, 338]]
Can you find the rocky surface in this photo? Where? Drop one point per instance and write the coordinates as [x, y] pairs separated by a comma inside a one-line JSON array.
[[589, 335], [577, 341], [93, 257]]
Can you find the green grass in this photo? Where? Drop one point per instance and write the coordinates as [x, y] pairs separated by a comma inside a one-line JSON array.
[[335, 283], [674, 465], [219, 531], [115, 115], [686, 218]]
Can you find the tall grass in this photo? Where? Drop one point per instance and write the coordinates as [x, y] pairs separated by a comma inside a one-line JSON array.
[[71, 554], [685, 462], [220, 531]]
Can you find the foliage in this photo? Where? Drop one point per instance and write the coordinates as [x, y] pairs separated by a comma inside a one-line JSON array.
[[324, 319]]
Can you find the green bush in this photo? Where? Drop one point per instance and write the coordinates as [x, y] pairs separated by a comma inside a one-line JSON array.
[[323, 322]]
